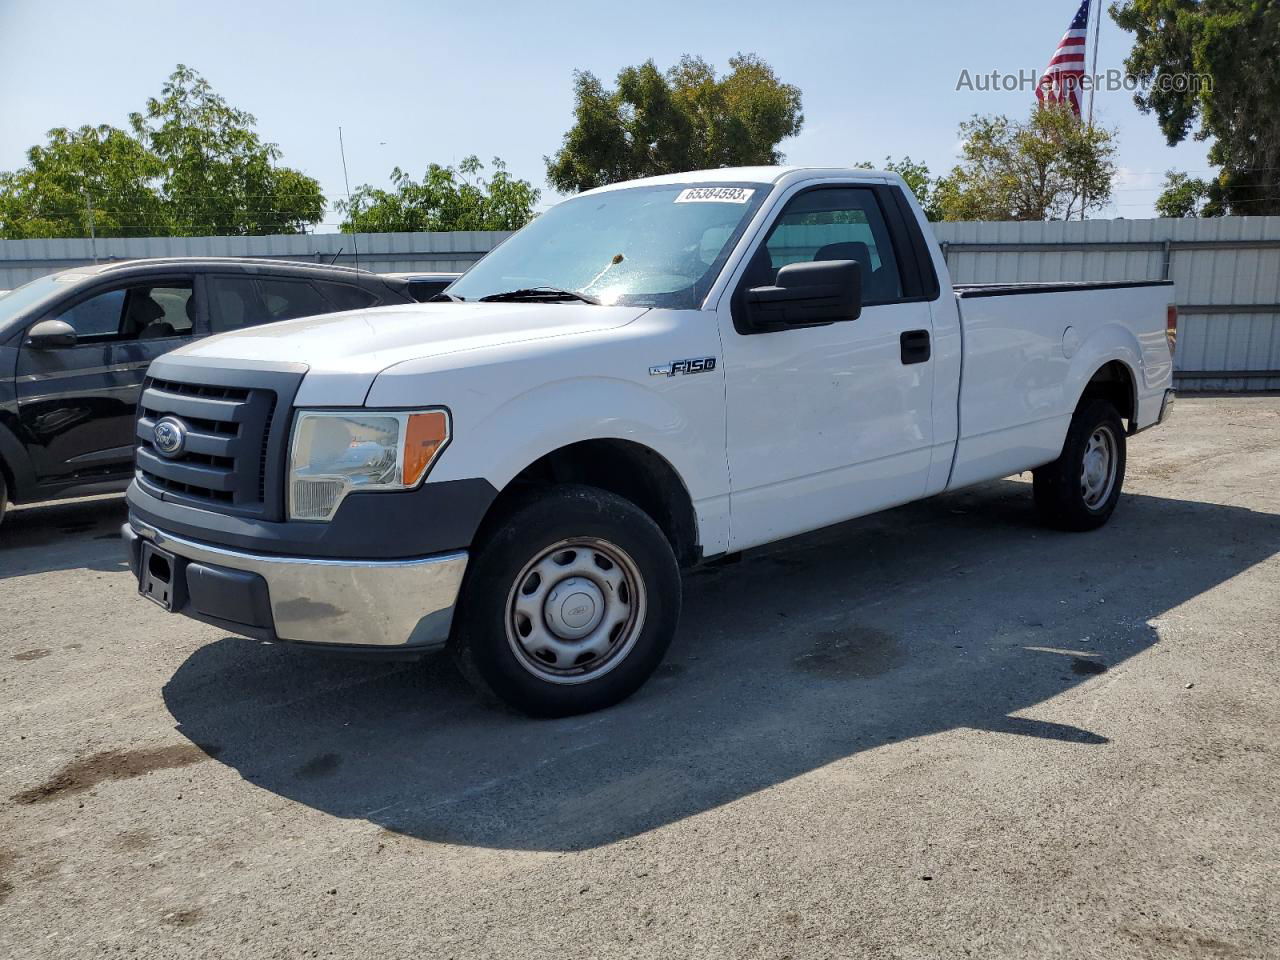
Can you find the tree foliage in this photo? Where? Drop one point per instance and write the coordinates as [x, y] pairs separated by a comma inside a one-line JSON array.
[[192, 166], [102, 167], [220, 178], [1235, 44], [918, 179], [1048, 167], [687, 118], [1186, 196], [445, 199]]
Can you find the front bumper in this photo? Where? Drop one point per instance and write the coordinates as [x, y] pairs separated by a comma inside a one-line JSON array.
[[385, 605]]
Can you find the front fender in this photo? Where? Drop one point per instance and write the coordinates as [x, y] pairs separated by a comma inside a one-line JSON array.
[[17, 465], [533, 423], [682, 422]]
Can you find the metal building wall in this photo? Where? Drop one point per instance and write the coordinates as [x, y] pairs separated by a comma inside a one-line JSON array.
[[23, 260], [1226, 273]]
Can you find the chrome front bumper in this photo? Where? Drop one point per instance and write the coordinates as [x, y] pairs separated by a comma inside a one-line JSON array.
[[383, 604]]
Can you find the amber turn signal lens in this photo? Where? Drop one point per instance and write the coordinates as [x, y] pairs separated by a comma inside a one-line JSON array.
[[425, 434]]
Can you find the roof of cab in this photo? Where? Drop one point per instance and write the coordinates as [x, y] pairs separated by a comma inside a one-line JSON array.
[[762, 175]]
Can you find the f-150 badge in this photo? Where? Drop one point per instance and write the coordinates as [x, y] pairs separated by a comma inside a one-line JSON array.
[[682, 367]]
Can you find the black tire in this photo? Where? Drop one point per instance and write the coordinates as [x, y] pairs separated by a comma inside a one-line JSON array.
[[4, 496], [488, 627], [1063, 496]]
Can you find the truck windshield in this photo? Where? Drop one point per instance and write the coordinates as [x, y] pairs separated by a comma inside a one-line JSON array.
[[659, 246]]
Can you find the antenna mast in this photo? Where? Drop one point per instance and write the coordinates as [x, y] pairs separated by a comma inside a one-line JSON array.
[[355, 243]]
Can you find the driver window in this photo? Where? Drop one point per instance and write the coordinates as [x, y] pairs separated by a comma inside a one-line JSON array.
[[834, 224], [140, 312]]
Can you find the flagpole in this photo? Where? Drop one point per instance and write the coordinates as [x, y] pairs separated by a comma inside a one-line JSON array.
[[1097, 32], [1096, 20]]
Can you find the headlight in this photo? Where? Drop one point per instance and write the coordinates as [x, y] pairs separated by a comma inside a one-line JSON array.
[[333, 454]]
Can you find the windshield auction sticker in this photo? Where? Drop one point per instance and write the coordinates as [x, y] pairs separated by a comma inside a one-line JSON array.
[[714, 195]]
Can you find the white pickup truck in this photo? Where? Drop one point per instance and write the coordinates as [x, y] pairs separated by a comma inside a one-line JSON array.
[[648, 376]]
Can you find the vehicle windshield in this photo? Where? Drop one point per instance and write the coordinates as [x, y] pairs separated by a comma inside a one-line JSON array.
[[659, 246], [17, 301]]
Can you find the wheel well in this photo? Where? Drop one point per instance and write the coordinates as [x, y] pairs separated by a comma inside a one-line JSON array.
[[623, 467], [1113, 382]]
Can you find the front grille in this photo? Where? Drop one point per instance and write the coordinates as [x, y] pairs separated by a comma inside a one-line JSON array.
[[232, 442]]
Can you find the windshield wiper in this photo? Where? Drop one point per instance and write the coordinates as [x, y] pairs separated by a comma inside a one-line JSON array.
[[547, 294]]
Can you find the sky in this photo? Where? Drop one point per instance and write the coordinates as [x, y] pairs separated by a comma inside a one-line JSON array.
[[411, 83]]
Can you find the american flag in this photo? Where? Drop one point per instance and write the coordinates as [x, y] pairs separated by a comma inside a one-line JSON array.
[[1061, 80]]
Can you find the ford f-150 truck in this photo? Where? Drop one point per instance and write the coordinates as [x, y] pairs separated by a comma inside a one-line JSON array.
[[648, 376]]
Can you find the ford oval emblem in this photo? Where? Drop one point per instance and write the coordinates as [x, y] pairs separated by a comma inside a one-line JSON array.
[[170, 436]]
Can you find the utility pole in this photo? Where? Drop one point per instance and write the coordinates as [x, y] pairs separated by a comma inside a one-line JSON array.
[[93, 236]]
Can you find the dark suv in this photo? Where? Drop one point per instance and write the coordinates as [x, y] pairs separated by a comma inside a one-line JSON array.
[[74, 347]]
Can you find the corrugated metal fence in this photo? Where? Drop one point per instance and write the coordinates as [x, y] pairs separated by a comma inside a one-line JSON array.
[[23, 260], [1227, 271]]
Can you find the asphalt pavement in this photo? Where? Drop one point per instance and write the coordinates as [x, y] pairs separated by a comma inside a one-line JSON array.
[[942, 731]]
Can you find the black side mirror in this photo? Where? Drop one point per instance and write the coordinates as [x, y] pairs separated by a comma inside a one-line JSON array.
[[51, 334], [808, 294]]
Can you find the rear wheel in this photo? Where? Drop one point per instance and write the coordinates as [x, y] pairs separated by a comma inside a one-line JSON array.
[[1080, 490], [4, 496], [569, 604]]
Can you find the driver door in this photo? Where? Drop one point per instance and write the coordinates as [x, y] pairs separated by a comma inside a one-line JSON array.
[[77, 404], [826, 423]]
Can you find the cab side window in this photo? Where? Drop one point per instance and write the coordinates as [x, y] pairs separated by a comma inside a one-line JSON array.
[[138, 312], [842, 223]]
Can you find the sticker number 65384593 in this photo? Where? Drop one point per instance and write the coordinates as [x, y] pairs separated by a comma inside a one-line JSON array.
[[714, 195]]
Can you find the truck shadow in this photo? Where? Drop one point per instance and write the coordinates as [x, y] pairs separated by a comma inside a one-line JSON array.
[[959, 612]]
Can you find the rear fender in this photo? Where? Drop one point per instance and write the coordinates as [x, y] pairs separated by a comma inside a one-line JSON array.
[[1107, 343]]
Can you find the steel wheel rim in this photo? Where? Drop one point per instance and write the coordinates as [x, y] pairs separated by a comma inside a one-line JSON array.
[[549, 628], [1098, 468]]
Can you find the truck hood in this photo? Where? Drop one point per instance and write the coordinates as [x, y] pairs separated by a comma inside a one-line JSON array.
[[344, 352]]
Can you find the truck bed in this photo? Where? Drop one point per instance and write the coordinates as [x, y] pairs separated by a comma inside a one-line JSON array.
[[1029, 349], [968, 290]]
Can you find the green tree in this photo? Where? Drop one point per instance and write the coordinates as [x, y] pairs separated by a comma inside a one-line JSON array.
[[445, 199], [1214, 63], [1186, 196], [687, 118], [1048, 167], [192, 166], [220, 178], [94, 177], [918, 179]]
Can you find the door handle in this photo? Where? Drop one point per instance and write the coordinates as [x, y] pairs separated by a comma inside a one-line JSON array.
[[915, 346]]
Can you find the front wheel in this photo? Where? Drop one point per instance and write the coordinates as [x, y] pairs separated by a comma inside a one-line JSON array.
[[1080, 490], [569, 604]]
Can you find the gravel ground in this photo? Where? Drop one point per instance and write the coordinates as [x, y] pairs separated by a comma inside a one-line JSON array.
[[938, 732]]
